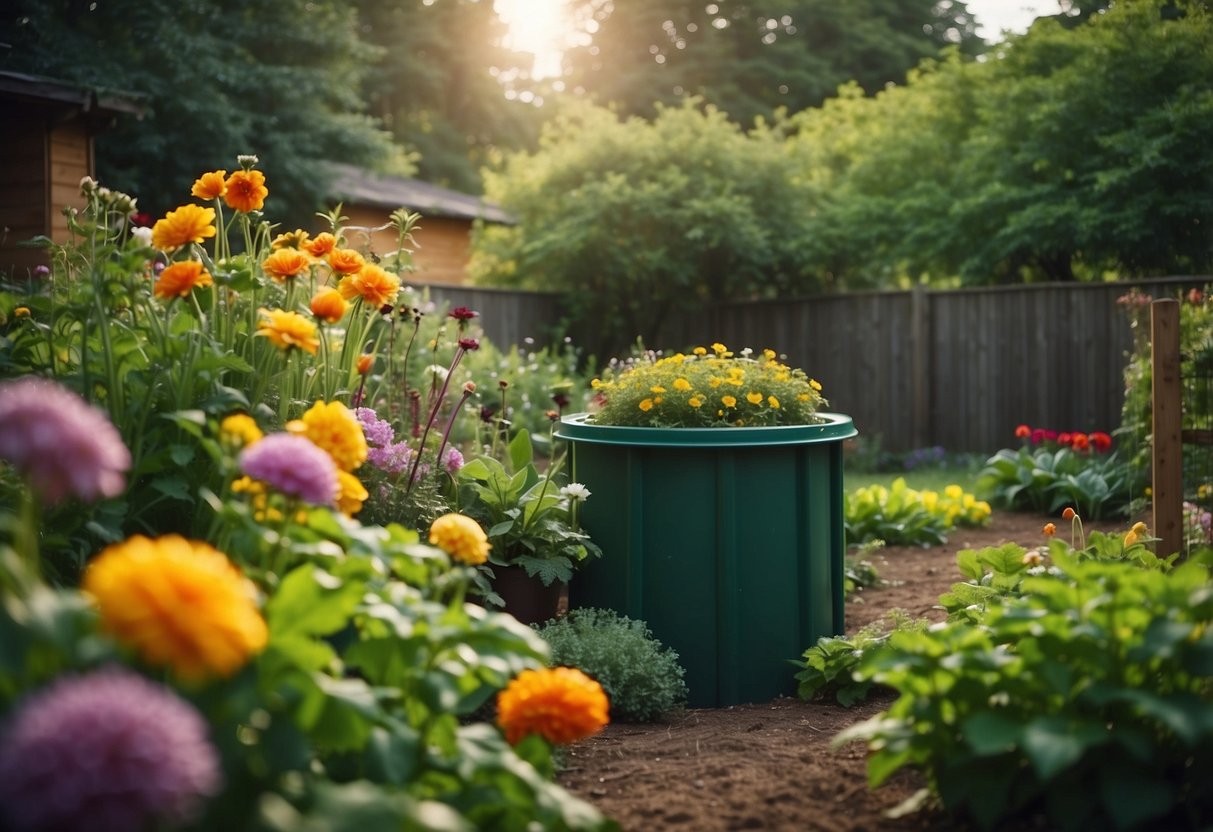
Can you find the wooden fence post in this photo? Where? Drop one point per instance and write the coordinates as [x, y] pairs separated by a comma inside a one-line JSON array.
[[920, 382], [1167, 406]]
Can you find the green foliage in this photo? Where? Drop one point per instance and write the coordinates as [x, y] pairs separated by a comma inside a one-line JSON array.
[[530, 520], [642, 678], [1080, 692], [901, 516], [1048, 479], [829, 665]]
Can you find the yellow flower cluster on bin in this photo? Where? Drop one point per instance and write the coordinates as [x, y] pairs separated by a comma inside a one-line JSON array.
[[708, 387]]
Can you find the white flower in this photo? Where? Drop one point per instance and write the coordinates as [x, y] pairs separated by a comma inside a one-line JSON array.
[[437, 372], [576, 492], [143, 234]]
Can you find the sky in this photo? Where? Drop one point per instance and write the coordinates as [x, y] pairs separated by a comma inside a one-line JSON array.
[[1016, 15]]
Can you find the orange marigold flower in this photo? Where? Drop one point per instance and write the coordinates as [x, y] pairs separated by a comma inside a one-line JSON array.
[[1049, 530], [319, 245], [460, 537], [210, 185], [188, 224], [365, 362], [246, 191], [178, 603], [332, 427], [288, 329], [373, 284], [561, 704], [286, 263], [328, 305], [1068, 514], [351, 493], [291, 239], [179, 279], [346, 260]]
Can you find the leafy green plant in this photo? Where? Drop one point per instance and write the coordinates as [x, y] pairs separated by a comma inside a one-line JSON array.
[[530, 519], [829, 665], [899, 515], [1047, 479], [642, 678], [1085, 699]]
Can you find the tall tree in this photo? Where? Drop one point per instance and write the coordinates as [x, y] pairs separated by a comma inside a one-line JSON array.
[[275, 78], [750, 57]]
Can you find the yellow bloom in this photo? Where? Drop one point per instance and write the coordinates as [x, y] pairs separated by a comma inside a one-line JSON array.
[[768, 354], [346, 261], [351, 495], [460, 537], [21, 312], [179, 279], [656, 388], [682, 385], [719, 348], [815, 384], [240, 430], [753, 397], [646, 405], [291, 239], [210, 185], [178, 603], [700, 351], [328, 305], [1139, 529], [695, 401], [188, 224], [773, 402], [333, 428], [728, 401], [561, 704], [286, 263], [288, 329], [246, 191], [375, 286], [954, 492], [319, 245]]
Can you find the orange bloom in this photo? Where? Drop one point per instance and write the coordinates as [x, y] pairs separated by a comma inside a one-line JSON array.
[[328, 305], [179, 279], [365, 362], [319, 245], [286, 263], [1068, 514], [374, 285], [288, 329], [188, 224], [561, 704], [1049, 530], [346, 260], [210, 185], [1023, 432], [246, 191]]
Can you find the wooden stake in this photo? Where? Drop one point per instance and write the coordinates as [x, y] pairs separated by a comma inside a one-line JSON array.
[[1167, 404]]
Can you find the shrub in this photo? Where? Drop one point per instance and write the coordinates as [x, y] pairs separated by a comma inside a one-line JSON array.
[[829, 665], [642, 678], [901, 516]]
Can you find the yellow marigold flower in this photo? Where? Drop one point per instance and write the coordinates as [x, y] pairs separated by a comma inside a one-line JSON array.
[[803, 397], [178, 603], [656, 388], [258, 493], [332, 427], [695, 401], [210, 185], [768, 354], [773, 402], [291, 239], [288, 329], [596, 383], [646, 405], [286, 263], [715, 381], [373, 284], [700, 351], [188, 224], [953, 492], [728, 401], [328, 305], [815, 384], [753, 397], [239, 430], [179, 279], [719, 348], [320, 245], [1135, 534], [682, 385], [346, 260], [21, 312], [561, 704], [364, 363], [460, 537], [351, 494], [246, 191]]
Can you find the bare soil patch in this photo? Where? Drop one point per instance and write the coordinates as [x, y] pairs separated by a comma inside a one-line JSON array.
[[769, 765]]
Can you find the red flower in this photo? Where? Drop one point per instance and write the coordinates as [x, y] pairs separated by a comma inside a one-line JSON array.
[[462, 313], [1038, 436], [1050, 435], [469, 344], [1023, 432], [1064, 439], [1079, 441], [1196, 297], [1101, 442]]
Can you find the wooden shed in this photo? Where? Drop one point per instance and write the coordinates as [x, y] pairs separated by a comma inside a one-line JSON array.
[[46, 148], [444, 234]]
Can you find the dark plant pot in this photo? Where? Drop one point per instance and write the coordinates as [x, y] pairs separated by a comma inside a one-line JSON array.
[[526, 598], [727, 542]]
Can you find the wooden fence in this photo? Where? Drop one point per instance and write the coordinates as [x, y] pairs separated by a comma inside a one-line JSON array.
[[956, 368]]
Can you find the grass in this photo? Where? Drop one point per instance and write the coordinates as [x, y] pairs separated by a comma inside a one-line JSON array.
[[920, 479]]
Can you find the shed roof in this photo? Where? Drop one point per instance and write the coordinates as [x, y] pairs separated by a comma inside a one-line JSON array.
[[74, 98], [355, 184]]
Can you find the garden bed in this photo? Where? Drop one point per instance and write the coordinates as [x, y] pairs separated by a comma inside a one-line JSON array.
[[769, 765]]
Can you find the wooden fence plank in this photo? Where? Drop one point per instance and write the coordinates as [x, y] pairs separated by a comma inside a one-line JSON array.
[[1167, 403]]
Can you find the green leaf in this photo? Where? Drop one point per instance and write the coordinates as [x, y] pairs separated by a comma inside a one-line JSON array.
[[1133, 794], [521, 452], [174, 487], [1054, 743], [312, 602], [990, 732]]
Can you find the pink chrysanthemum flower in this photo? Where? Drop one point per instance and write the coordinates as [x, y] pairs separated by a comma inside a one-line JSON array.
[[65, 446], [109, 752], [294, 466]]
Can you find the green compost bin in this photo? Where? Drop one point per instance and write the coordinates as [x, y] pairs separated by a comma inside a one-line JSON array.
[[728, 542]]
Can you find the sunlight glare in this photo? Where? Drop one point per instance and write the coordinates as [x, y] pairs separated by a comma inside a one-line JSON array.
[[540, 27]]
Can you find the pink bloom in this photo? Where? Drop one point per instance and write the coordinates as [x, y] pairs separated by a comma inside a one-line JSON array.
[[452, 460], [65, 446], [293, 466]]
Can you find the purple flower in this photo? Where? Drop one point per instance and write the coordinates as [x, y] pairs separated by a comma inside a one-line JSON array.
[[378, 432], [452, 460], [107, 751], [64, 445], [392, 458], [294, 466], [41, 270]]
